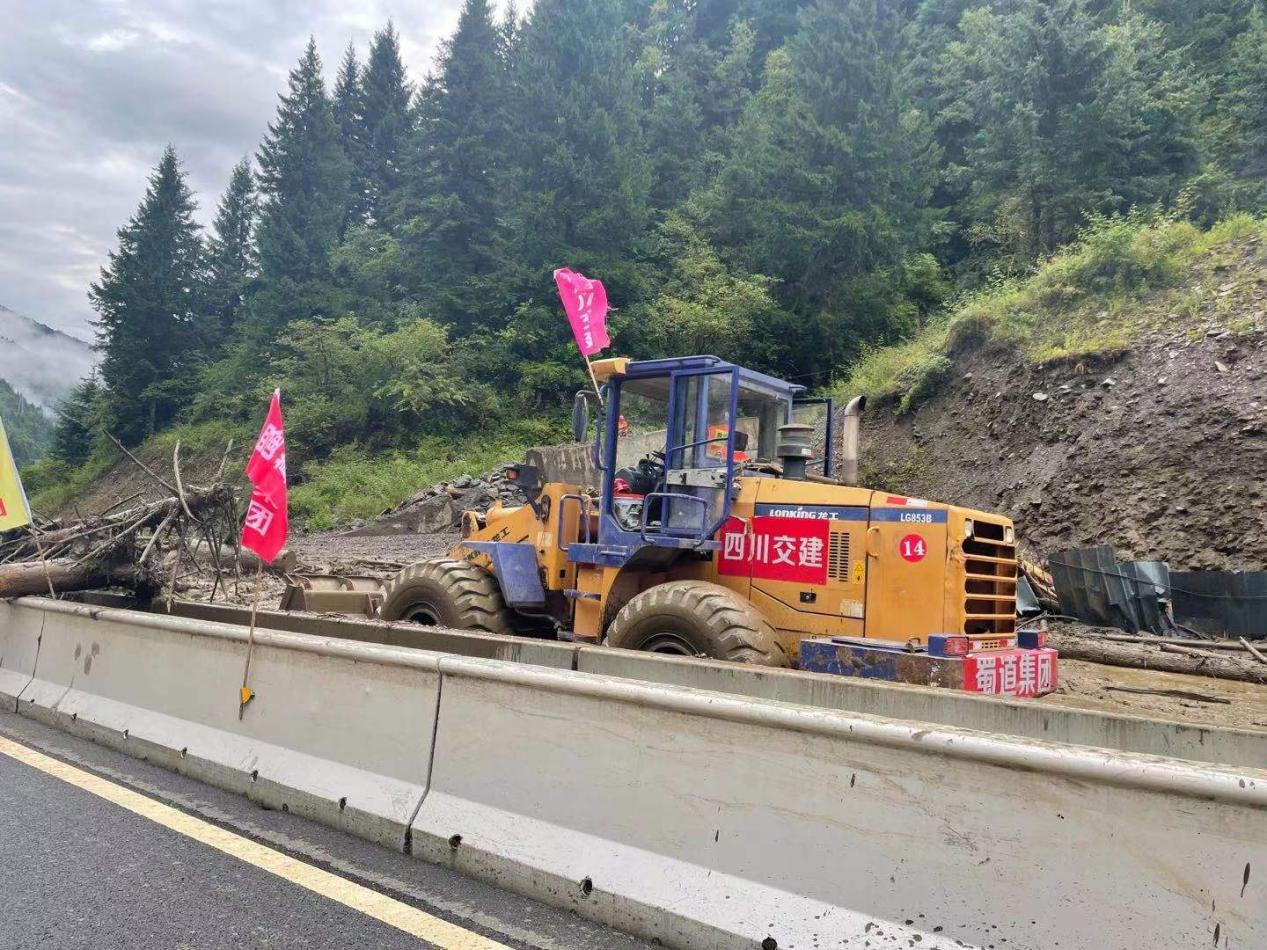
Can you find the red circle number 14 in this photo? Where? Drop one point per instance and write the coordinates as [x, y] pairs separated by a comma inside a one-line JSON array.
[[913, 548]]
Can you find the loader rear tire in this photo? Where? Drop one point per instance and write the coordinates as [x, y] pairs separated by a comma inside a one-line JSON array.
[[446, 593], [696, 618]]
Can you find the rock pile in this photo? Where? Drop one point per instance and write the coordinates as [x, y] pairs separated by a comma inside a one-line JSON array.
[[439, 508]]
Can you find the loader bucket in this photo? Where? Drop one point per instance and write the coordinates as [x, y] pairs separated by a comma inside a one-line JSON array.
[[333, 593]]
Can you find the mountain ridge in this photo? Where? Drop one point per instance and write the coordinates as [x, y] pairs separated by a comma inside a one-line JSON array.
[[41, 363]]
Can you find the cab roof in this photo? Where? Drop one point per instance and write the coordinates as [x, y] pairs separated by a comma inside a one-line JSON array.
[[640, 369]]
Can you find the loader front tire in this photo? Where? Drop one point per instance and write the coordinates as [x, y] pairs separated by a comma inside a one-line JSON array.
[[446, 593], [696, 618]]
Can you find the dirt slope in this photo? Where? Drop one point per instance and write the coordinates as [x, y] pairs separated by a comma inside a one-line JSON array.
[[1160, 449]]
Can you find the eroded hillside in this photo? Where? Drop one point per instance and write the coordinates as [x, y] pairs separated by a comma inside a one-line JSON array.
[[1153, 438]]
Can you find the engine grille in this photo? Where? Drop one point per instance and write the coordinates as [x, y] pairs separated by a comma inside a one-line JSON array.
[[989, 580], [838, 556]]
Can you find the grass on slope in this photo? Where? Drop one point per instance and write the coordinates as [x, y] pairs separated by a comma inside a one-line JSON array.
[[1095, 297], [350, 485], [53, 485]]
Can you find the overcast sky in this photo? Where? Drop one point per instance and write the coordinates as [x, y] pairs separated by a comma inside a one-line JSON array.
[[92, 90]]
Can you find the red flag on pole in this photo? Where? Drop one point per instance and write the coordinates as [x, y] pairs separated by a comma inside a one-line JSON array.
[[585, 301], [267, 522]]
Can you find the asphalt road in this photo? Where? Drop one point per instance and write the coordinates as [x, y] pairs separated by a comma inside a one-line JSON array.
[[80, 870]]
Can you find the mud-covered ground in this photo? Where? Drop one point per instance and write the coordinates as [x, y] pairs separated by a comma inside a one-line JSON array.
[[324, 552], [1226, 702]]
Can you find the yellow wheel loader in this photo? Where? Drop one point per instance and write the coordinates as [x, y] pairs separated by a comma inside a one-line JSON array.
[[718, 528]]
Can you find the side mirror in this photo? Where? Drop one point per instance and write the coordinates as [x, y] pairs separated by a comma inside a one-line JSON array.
[[581, 416], [741, 441]]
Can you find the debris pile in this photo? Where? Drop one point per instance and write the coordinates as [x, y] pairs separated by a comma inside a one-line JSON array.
[[439, 508], [136, 544], [1221, 659]]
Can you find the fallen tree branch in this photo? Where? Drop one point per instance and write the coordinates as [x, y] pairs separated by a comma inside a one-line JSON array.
[[158, 533], [1254, 650], [1171, 694], [34, 577], [1096, 649], [1149, 638], [145, 468], [1188, 651], [224, 461], [180, 488]]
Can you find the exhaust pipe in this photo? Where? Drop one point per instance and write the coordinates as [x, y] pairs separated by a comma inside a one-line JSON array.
[[851, 440]]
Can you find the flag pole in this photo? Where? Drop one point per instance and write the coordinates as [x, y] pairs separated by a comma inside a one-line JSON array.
[[594, 379], [246, 694]]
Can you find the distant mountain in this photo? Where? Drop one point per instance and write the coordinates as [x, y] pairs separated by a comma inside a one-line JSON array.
[[40, 363], [30, 429]]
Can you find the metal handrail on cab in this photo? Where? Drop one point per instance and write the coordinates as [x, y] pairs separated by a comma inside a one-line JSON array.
[[583, 503], [674, 496]]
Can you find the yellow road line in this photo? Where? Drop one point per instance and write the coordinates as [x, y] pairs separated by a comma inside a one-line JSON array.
[[390, 911]]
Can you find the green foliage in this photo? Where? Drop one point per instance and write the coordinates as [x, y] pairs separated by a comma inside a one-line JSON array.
[[80, 421], [831, 186], [52, 484], [304, 180], [383, 127], [800, 185], [352, 485], [347, 384], [583, 173], [230, 259], [702, 305], [30, 431], [454, 195], [1097, 296], [1051, 115], [1240, 123], [148, 300]]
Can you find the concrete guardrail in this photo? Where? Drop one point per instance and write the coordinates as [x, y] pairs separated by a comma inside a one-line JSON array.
[[701, 819], [1025, 718]]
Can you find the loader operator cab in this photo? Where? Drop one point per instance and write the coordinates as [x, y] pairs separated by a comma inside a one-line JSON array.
[[673, 436]]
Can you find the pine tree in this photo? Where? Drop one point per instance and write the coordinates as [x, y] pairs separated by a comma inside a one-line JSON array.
[[304, 179], [458, 170], [1242, 108], [672, 69], [583, 173], [385, 125], [231, 257], [148, 299], [1203, 28], [1063, 117], [829, 190], [348, 108], [79, 422]]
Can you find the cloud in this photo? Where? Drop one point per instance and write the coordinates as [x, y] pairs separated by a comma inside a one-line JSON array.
[[92, 90]]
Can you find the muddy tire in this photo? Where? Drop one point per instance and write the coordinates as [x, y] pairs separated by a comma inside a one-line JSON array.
[[446, 593], [695, 618]]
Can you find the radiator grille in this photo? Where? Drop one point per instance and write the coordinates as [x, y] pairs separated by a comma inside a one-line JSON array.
[[989, 581], [838, 556]]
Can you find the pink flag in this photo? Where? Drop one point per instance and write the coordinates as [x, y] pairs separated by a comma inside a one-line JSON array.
[[585, 301], [267, 521]]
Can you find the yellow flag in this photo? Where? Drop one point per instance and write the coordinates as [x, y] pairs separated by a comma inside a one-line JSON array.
[[14, 510]]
